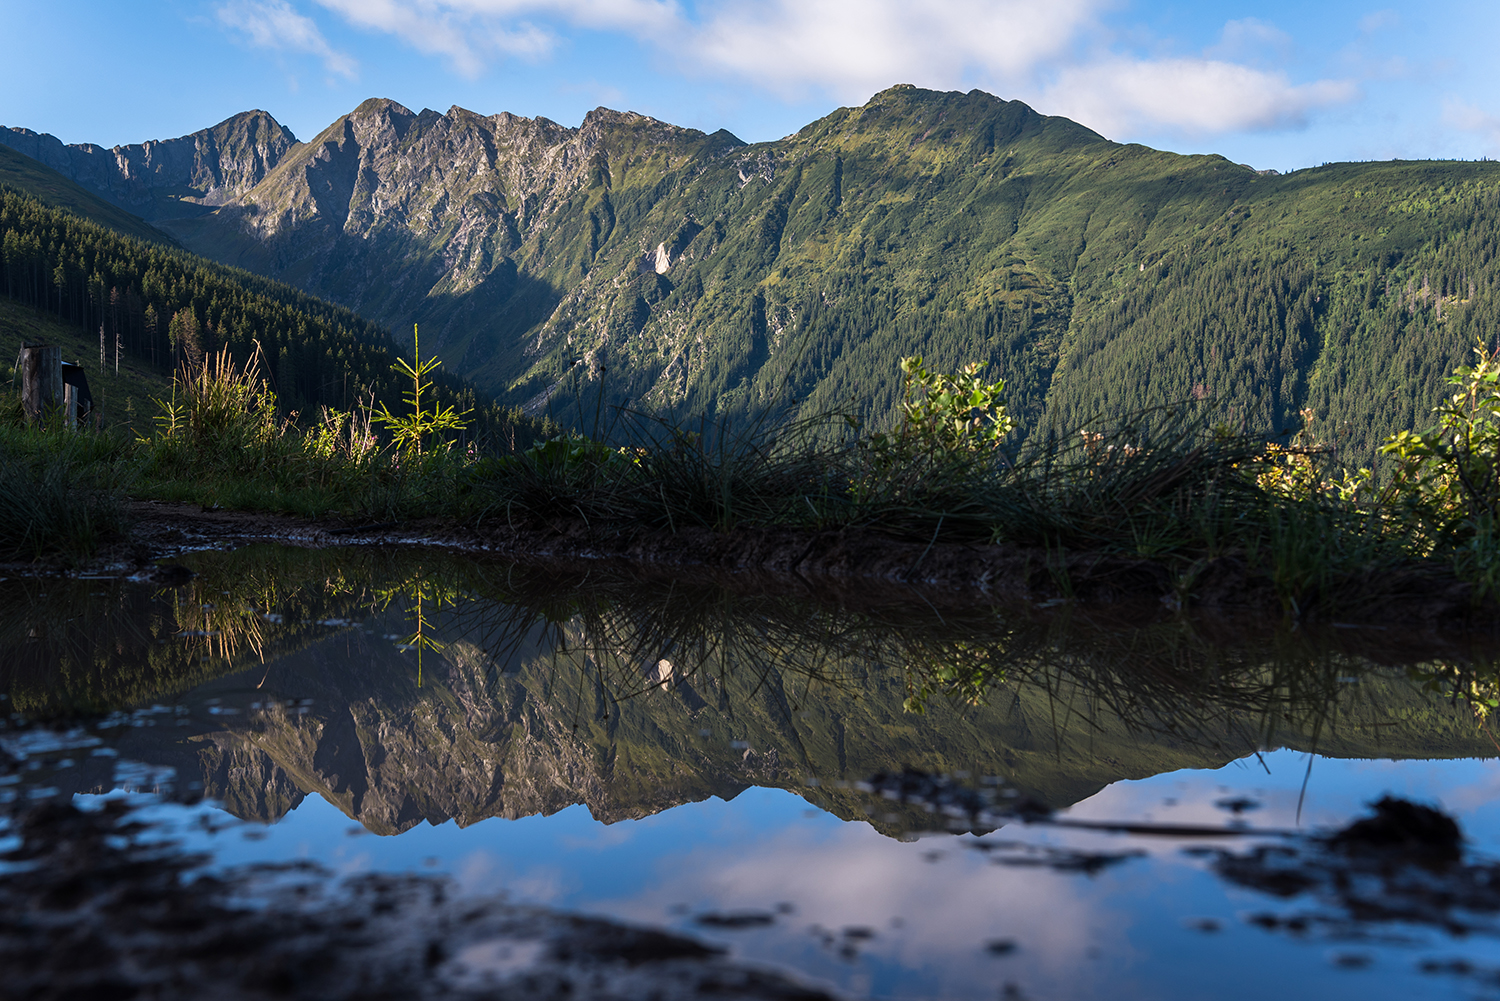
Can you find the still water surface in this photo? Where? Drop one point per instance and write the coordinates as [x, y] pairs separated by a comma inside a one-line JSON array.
[[688, 756]]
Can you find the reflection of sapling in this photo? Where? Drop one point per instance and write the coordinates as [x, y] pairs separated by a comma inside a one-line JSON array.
[[409, 431]]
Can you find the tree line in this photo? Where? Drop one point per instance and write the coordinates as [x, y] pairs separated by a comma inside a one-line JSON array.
[[163, 307]]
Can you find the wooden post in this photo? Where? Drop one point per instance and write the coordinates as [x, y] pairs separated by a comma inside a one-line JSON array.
[[70, 406], [41, 379]]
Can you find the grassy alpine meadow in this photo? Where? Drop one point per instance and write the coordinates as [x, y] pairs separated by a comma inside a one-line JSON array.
[[1164, 486]]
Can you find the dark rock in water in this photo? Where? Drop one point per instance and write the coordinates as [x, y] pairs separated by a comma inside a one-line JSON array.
[[735, 920], [938, 793], [1238, 805], [952, 805], [1402, 866], [1401, 827]]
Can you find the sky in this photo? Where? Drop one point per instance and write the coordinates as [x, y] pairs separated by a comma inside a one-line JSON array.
[[1281, 84]]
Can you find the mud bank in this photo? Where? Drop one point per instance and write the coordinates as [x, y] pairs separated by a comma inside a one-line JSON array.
[[96, 907]]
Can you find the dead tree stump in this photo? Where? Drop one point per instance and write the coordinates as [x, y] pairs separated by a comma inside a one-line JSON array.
[[41, 380]]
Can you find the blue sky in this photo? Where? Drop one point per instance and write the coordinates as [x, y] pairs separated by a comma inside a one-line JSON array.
[[1278, 84]]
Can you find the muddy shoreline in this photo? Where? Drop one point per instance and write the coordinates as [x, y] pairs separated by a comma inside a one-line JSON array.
[[844, 564]]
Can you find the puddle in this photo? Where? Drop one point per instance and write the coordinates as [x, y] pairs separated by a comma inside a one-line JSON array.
[[857, 798]]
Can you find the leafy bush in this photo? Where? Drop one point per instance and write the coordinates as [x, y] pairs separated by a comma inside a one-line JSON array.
[[955, 413], [1448, 477]]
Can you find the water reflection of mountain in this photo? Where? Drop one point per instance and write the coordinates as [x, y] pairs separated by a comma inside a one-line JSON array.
[[411, 687], [476, 742], [467, 691]]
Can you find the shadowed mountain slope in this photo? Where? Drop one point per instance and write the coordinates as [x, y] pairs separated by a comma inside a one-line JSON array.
[[167, 178], [54, 190]]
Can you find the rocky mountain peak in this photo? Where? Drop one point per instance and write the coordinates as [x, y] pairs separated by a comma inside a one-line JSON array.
[[168, 178], [379, 121]]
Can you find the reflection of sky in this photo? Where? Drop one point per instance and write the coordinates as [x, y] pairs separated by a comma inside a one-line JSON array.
[[1336, 790], [934, 904]]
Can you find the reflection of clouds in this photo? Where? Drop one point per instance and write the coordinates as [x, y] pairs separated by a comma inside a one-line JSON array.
[[475, 869], [539, 884], [352, 863], [932, 915], [598, 839], [482, 872], [1483, 791]]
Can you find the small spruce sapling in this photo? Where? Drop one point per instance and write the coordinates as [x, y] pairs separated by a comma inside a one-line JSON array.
[[408, 432]]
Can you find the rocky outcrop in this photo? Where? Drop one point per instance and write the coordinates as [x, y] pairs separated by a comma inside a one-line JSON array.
[[476, 226], [682, 264], [168, 178]]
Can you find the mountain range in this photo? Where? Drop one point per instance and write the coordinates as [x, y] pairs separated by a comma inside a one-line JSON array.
[[696, 274]]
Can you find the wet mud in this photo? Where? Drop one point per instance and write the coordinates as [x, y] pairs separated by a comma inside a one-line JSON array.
[[93, 906]]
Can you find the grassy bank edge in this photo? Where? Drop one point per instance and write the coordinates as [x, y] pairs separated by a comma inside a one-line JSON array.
[[1175, 508]]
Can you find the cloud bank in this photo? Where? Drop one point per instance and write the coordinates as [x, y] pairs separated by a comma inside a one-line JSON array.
[[1059, 56], [1191, 96]]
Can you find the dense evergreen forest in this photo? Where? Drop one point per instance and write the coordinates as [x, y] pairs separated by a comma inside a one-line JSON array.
[[1350, 293], [164, 306]]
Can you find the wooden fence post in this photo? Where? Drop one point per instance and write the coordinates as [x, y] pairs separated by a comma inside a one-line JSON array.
[[41, 379]]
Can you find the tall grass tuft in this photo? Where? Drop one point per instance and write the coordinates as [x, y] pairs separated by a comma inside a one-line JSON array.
[[1161, 485], [221, 440], [60, 494]]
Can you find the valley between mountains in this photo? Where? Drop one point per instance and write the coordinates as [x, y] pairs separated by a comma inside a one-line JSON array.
[[629, 261]]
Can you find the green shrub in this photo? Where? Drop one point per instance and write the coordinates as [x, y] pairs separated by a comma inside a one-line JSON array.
[[1447, 478]]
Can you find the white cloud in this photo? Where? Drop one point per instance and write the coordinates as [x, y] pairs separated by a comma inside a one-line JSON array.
[[447, 29], [1465, 116], [1192, 96], [854, 47], [1378, 21], [273, 24], [470, 33], [1251, 40], [1059, 55]]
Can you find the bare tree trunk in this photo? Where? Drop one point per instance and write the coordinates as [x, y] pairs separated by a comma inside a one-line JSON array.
[[41, 379]]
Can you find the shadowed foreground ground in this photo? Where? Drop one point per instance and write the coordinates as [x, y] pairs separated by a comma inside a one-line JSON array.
[[94, 908]]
